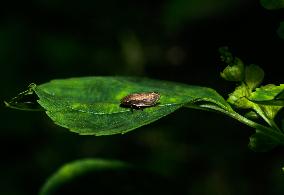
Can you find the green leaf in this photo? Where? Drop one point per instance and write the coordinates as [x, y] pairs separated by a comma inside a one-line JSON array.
[[235, 68], [234, 72], [239, 97], [252, 115], [271, 111], [269, 95], [261, 142], [270, 99], [99, 176], [272, 4], [253, 76], [76, 169], [91, 105]]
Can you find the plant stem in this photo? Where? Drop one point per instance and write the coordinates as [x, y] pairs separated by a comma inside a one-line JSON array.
[[264, 129]]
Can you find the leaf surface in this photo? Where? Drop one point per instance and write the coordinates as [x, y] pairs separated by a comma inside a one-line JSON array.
[[91, 105], [269, 95]]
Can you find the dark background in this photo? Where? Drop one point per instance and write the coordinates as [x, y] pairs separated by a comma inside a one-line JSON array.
[[177, 40]]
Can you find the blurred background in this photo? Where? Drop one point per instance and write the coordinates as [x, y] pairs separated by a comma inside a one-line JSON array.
[[176, 40]]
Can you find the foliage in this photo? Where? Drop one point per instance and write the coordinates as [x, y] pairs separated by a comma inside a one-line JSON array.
[[91, 105], [90, 38], [264, 101]]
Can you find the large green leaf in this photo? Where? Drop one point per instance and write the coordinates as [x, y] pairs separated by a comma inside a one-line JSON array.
[[91, 105]]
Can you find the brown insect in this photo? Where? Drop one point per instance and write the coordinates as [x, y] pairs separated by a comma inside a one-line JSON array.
[[140, 100]]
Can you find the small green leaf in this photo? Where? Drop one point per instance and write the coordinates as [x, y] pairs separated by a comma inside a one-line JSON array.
[[269, 95], [260, 142], [239, 97], [252, 115], [267, 92], [76, 169], [253, 76], [272, 4], [91, 105], [266, 97], [234, 72], [235, 69]]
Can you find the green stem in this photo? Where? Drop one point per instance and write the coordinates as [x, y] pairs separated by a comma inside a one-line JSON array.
[[264, 129]]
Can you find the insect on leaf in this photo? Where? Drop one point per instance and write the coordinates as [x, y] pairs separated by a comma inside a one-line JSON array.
[[91, 105]]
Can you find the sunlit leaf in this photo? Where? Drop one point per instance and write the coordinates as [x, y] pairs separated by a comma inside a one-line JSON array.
[[233, 73], [239, 99], [269, 95], [253, 76], [91, 105], [235, 69], [269, 98]]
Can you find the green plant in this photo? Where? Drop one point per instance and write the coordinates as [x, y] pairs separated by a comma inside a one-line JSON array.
[[91, 105]]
